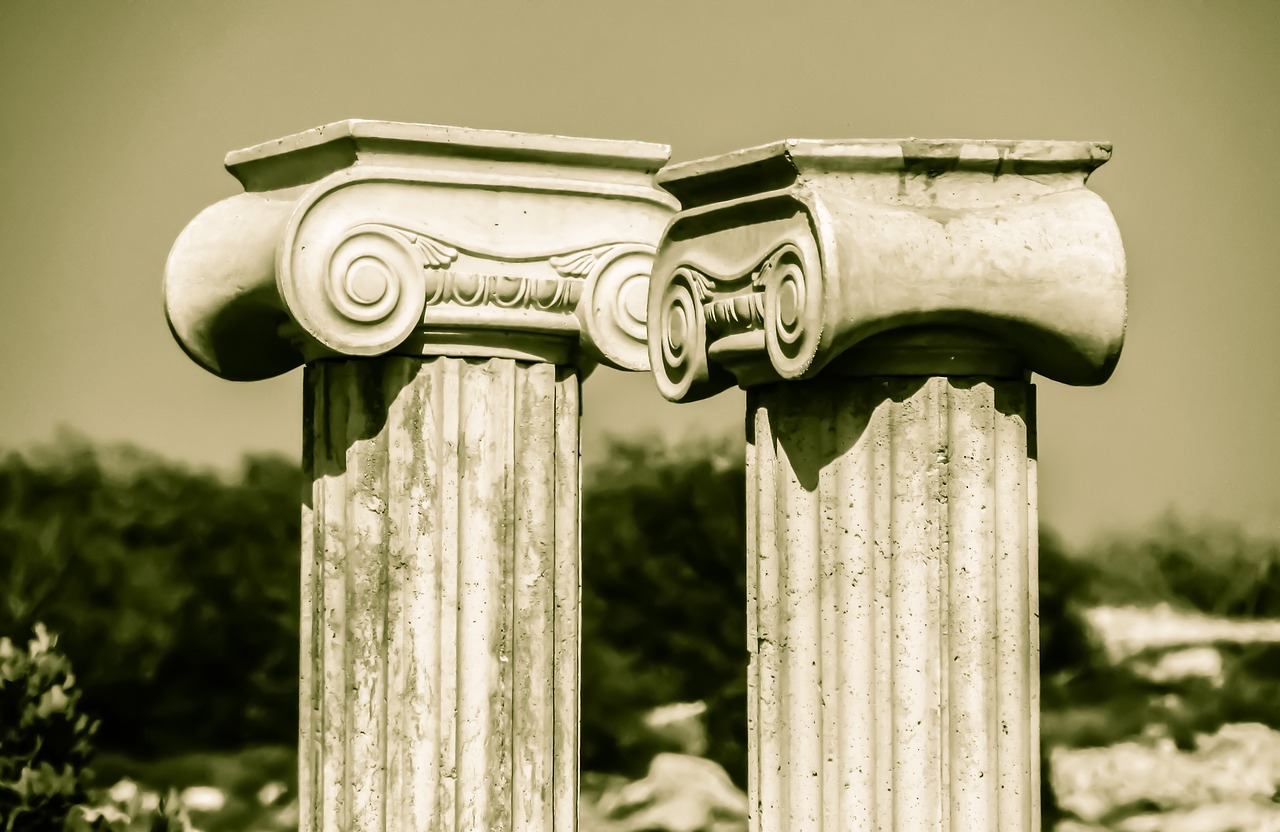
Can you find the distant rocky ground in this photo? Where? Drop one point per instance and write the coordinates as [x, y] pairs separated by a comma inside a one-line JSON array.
[[681, 793], [1128, 632], [1227, 783], [1227, 780]]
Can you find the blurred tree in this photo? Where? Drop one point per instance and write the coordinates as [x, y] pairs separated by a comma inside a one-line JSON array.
[[1064, 583], [1065, 648], [175, 592], [664, 599], [1216, 568], [176, 595]]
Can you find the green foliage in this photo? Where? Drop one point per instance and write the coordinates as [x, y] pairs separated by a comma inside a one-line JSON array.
[[664, 599], [130, 814], [250, 789], [1212, 568], [45, 740], [1064, 582], [175, 591], [1216, 568], [176, 595]]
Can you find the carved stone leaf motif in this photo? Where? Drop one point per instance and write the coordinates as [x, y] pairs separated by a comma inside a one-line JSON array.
[[703, 284], [435, 254], [735, 313], [388, 272], [579, 263], [775, 297]]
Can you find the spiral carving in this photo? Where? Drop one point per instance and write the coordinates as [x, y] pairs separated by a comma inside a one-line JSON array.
[[613, 309], [373, 289], [381, 281], [747, 326], [678, 346], [362, 285], [792, 312]]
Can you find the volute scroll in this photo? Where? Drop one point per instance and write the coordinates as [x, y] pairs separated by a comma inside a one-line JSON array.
[[362, 239], [795, 253]]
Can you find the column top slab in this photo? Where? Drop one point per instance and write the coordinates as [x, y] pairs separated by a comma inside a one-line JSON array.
[[896, 154], [695, 182], [787, 256], [363, 238], [306, 156]]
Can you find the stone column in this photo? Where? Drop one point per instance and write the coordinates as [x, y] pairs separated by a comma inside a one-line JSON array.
[[446, 290], [884, 304]]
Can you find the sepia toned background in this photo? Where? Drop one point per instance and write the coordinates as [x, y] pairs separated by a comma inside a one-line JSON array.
[[115, 116], [149, 531]]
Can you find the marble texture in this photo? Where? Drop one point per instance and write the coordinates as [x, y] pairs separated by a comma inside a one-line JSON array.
[[440, 604], [447, 289], [785, 257], [891, 629], [884, 303], [364, 238]]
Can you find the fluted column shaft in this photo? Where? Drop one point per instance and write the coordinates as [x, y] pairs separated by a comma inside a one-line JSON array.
[[891, 606], [444, 287], [440, 596]]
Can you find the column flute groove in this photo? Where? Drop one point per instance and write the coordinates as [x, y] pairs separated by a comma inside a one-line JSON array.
[[445, 289], [890, 680], [393, 757], [884, 303]]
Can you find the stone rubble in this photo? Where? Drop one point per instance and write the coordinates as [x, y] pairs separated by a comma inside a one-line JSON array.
[[1228, 783], [680, 793], [1125, 632]]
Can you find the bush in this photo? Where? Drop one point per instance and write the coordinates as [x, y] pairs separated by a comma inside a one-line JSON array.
[[45, 741], [1065, 582], [1216, 568], [663, 600], [130, 813], [175, 591]]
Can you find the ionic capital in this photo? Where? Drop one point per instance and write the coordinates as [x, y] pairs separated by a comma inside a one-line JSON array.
[[792, 257], [363, 238]]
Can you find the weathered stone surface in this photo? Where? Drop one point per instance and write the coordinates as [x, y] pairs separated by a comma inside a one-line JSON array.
[[884, 303], [786, 256], [446, 288], [1076, 826], [891, 538], [440, 602], [680, 793], [1240, 816], [680, 726], [1230, 775], [1177, 665], [363, 238]]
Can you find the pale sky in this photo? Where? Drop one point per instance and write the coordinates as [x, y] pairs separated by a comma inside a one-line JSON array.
[[115, 116]]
